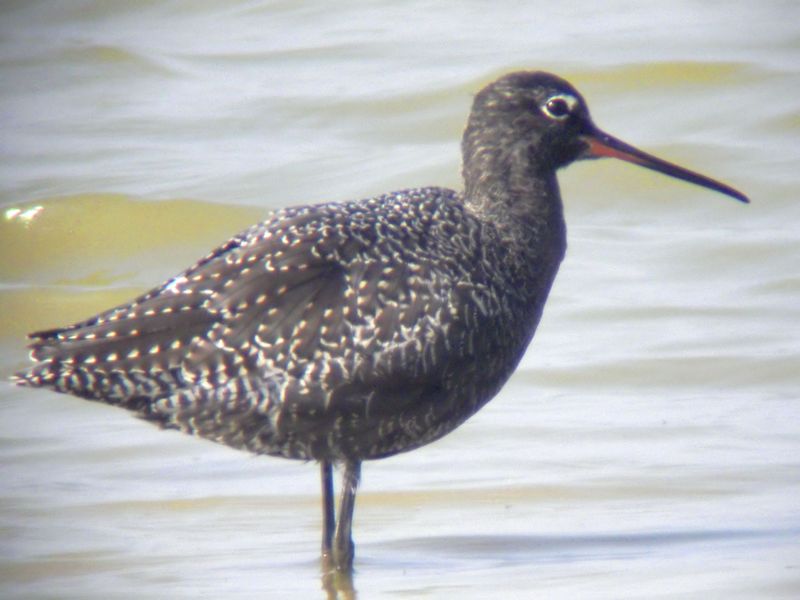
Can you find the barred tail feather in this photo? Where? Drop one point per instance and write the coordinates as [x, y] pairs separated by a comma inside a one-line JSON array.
[[130, 352]]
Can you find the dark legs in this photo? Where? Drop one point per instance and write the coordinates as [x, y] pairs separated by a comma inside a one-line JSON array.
[[328, 518], [343, 548], [337, 538]]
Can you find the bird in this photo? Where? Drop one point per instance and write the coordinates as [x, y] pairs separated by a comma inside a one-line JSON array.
[[349, 331]]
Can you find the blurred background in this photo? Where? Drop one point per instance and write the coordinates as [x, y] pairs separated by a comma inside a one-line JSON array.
[[649, 444]]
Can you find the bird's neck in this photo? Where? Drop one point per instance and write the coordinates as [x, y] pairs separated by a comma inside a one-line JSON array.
[[506, 188]]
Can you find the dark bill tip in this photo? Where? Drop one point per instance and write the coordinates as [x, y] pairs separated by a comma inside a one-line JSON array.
[[601, 145]]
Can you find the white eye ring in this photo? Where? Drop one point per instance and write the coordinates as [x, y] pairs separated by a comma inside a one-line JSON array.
[[560, 106]]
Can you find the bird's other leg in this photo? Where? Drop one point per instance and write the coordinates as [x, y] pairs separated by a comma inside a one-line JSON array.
[[328, 515], [343, 547]]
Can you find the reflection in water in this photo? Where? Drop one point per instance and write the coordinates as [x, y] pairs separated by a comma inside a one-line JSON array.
[[338, 584]]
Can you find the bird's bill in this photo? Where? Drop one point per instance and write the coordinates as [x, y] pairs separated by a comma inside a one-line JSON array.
[[601, 145]]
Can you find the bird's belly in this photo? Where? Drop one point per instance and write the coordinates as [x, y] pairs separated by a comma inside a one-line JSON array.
[[376, 419]]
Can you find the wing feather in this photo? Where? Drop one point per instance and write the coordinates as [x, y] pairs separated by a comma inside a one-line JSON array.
[[308, 322]]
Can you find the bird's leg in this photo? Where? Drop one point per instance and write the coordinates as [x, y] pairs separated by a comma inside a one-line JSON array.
[[328, 515], [343, 548]]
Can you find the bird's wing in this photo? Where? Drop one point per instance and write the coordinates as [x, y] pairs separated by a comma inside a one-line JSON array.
[[316, 302], [259, 276]]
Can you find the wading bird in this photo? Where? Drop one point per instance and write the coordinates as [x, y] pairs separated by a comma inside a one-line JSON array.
[[349, 331]]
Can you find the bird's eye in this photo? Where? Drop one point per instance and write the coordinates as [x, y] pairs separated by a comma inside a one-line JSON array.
[[560, 107]]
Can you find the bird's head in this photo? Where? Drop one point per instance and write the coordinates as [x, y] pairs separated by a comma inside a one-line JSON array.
[[540, 120]]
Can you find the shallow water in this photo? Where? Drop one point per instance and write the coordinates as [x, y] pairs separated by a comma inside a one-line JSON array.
[[649, 444]]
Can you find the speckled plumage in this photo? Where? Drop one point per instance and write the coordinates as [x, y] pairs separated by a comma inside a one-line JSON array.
[[336, 331], [349, 331]]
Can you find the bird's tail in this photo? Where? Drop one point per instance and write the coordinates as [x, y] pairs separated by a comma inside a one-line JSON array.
[[125, 354]]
